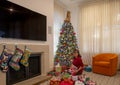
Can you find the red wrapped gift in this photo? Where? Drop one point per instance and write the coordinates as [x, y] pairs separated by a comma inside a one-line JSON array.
[[55, 80], [67, 82]]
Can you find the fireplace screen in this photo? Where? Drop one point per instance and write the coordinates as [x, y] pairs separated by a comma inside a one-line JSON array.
[[34, 69]]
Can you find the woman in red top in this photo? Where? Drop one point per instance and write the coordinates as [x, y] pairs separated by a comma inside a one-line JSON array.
[[77, 61]]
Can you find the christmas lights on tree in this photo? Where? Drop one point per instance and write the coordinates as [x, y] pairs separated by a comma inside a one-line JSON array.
[[67, 44]]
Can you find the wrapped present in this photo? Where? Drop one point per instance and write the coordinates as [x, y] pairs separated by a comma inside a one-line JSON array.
[[74, 78], [67, 82], [58, 68], [55, 80], [51, 73], [82, 77], [66, 75], [52, 82], [57, 73], [79, 83], [73, 69], [88, 68]]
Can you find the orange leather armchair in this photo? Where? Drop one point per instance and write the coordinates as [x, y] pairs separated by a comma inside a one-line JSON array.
[[105, 63]]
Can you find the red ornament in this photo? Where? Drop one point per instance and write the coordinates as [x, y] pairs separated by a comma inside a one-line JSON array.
[[64, 44], [61, 33], [57, 60]]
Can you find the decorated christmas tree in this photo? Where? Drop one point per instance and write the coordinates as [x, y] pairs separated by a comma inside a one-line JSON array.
[[67, 43]]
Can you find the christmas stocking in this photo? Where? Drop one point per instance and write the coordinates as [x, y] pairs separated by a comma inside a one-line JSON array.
[[4, 59], [14, 62], [25, 58]]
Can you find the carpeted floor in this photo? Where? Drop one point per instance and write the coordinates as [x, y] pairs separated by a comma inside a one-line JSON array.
[[104, 80]]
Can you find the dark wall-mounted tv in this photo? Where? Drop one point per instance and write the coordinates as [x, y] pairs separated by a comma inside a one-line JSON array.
[[21, 23]]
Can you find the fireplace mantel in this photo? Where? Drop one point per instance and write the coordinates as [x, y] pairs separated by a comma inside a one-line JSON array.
[[43, 49]]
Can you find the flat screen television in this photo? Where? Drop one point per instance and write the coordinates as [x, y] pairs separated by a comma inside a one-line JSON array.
[[21, 23]]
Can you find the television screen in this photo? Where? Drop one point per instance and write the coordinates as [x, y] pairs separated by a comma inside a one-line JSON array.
[[21, 23]]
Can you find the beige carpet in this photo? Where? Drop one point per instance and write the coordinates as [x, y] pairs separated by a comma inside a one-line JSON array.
[[104, 80]]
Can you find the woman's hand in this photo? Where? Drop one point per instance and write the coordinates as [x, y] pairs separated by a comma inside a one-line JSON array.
[[76, 71]]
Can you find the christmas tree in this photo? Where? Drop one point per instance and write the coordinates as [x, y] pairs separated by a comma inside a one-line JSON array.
[[67, 44]]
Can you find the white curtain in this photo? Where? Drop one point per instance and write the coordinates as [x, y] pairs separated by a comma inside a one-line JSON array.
[[99, 28], [59, 16]]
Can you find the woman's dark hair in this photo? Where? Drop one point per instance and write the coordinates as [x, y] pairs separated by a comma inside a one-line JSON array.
[[78, 52]]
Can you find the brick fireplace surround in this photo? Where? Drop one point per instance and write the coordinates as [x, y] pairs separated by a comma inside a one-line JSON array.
[[44, 50]]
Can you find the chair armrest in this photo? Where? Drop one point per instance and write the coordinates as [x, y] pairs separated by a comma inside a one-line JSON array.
[[115, 58], [114, 63], [96, 58]]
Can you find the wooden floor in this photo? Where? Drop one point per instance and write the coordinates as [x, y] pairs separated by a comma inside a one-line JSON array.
[[104, 80]]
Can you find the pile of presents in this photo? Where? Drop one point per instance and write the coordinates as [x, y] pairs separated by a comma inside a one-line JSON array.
[[61, 75]]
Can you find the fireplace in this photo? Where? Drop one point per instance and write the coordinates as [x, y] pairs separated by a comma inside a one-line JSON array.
[[34, 69], [41, 49]]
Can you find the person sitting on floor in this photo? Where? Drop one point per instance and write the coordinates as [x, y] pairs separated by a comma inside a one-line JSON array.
[[77, 62]]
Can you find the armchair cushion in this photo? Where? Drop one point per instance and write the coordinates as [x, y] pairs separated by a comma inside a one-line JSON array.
[[102, 63]]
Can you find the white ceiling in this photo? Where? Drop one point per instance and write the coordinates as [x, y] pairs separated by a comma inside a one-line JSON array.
[[72, 2]]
